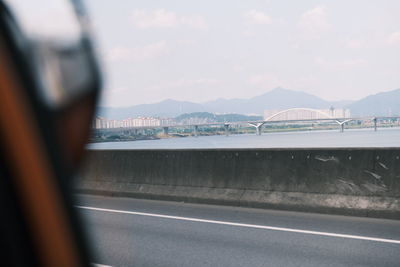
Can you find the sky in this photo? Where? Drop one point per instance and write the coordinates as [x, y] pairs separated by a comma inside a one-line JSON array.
[[204, 50]]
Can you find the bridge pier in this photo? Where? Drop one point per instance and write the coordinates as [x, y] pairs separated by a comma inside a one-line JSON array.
[[375, 124], [165, 130], [226, 127], [341, 124], [196, 130], [258, 127]]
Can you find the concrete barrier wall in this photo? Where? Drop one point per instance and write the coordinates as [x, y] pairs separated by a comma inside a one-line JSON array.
[[360, 181]]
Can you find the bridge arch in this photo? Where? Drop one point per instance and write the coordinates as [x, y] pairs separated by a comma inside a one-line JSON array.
[[325, 115]]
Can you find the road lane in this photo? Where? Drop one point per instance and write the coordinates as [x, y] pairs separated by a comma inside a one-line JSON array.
[[132, 239], [264, 227]]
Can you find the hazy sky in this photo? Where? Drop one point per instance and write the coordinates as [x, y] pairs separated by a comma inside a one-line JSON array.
[[203, 50]]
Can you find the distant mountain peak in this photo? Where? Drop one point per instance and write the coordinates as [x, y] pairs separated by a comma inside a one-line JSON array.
[[380, 104], [168, 100], [279, 88], [385, 103]]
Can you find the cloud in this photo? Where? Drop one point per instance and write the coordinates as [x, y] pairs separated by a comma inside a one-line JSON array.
[[117, 90], [185, 42], [314, 22], [195, 22], [394, 38], [269, 81], [249, 33], [158, 18], [355, 43], [161, 18], [183, 89], [265, 79], [192, 82], [115, 96], [183, 82], [353, 62], [339, 64], [257, 17], [138, 53], [238, 68]]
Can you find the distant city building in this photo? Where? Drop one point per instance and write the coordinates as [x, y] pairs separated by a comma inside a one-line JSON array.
[[100, 123], [305, 114], [103, 123], [167, 121]]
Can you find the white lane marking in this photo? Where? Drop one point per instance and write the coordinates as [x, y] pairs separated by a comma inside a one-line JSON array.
[[393, 241], [100, 265]]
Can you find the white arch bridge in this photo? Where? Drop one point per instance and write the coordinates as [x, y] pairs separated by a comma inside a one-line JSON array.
[[313, 115], [316, 116]]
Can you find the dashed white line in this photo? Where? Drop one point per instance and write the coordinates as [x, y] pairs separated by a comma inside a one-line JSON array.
[[273, 228]]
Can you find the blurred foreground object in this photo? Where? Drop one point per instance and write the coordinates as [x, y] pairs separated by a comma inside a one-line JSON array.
[[49, 82]]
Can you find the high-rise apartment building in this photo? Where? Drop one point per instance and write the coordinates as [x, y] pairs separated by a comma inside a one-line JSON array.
[[103, 123]]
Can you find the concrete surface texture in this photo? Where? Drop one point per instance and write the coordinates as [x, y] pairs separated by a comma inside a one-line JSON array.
[[358, 181]]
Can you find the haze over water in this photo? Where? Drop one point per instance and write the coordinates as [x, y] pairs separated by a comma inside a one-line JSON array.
[[384, 137]]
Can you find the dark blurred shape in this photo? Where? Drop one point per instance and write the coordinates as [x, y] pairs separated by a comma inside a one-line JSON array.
[[49, 82]]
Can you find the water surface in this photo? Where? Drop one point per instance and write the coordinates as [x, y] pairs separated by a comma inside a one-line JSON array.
[[384, 137]]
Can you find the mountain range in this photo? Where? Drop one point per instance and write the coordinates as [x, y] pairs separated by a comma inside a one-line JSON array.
[[381, 104]]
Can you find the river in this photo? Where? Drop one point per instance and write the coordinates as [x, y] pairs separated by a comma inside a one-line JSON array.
[[384, 137]]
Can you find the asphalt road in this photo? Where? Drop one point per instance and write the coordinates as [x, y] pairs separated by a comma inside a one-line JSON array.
[[132, 232]]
